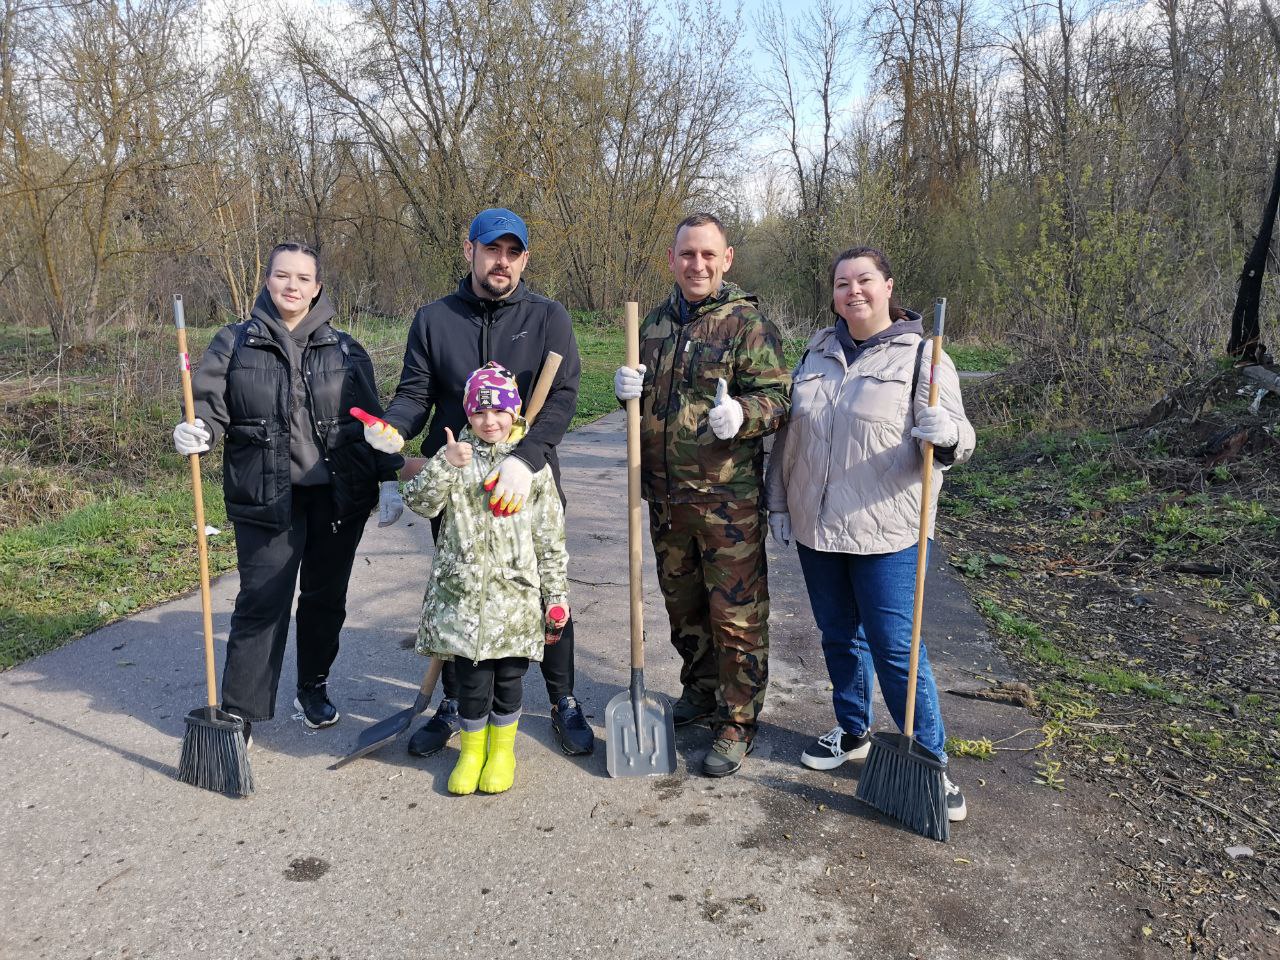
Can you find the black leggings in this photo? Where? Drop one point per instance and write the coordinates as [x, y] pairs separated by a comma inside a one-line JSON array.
[[489, 687], [557, 659]]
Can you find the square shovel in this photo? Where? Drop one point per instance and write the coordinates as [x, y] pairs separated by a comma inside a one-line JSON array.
[[641, 733]]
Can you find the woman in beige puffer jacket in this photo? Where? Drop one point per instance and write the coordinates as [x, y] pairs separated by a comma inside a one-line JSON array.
[[844, 481]]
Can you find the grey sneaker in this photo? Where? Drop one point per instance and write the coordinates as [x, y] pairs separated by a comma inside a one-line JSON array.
[[436, 732], [693, 705], [956, 807], [725, 756]]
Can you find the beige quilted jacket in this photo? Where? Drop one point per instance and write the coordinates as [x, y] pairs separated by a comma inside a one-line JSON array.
[[845, 465]]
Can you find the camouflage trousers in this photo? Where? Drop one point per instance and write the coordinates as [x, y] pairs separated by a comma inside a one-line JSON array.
[[711, 567]]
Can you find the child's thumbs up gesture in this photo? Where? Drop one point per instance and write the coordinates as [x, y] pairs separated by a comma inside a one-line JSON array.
[[457, 454]]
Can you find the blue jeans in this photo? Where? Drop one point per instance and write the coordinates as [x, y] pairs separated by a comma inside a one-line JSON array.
[[862, 605]]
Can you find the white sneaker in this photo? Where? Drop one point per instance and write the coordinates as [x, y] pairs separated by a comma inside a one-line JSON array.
[[956, 808], [835, 747]]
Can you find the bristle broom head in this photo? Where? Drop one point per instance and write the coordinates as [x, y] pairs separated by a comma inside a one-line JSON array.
[[904, 780], [214, 755]]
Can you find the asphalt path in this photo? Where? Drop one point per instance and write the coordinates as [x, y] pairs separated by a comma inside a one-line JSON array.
[[105, 854]]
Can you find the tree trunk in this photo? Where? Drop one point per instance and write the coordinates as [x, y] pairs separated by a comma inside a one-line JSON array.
[[1246, 343]]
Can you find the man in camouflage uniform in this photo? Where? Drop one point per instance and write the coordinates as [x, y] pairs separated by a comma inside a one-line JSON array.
[[711, 385]]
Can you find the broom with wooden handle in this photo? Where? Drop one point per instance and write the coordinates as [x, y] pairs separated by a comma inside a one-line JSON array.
[[214, 753], [901, 778]]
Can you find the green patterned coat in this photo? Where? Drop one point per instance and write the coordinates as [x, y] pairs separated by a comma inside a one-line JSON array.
[[492, 576], [681, 459]]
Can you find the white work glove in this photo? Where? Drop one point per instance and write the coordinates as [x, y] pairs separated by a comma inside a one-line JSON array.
[[780, 527], [508, 486], [936, 426], [726, 416], [390, 503], [189, 438], [628, 383], [383, 436]]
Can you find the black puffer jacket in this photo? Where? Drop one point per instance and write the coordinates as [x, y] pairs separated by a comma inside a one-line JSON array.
[[242, 391]]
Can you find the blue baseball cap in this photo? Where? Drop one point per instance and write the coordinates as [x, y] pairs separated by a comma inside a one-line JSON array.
[[497, 222]]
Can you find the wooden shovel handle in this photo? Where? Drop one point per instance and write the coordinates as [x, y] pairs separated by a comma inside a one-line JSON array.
[[922, 543], [197, 490], [550, 367], [631, 320]]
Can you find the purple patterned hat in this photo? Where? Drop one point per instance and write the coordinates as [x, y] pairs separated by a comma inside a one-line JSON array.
[[492, 387]]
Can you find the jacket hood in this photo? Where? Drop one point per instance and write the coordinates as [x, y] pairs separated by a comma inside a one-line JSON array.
[[321, 312], [729, 292], [830, 338]]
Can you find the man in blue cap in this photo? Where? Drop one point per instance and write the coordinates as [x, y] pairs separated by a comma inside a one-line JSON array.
[[492, 315]]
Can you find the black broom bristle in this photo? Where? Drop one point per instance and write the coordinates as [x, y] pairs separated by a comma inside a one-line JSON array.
[[904, 781], [214, 755]]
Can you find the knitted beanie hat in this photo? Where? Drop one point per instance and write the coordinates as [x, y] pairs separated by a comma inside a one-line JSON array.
[[492, 387]]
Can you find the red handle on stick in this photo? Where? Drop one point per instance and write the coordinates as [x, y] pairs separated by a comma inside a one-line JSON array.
[[368, 419]]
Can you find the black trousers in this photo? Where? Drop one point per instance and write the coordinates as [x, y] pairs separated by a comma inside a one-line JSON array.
[[489, 687], [557, 659], [272, 563]]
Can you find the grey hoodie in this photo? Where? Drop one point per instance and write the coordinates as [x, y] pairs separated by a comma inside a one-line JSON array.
[[306, 465]]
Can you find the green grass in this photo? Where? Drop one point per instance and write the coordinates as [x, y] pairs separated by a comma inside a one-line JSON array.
[[63, 578], [602, 351], [979, 356]]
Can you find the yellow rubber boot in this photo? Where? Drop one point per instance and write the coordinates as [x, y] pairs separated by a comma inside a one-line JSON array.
[[500, 769], [471, 761]]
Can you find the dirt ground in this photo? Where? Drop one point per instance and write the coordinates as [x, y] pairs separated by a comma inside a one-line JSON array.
[[1133, 579]]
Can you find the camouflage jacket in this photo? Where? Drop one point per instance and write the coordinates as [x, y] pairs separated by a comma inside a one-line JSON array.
[[492, 576], [681, 460]]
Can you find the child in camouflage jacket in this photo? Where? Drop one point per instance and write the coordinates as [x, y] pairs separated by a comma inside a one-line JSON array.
[[499, 585]]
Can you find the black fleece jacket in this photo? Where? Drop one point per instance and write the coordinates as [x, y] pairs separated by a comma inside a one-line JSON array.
[[456, 335]]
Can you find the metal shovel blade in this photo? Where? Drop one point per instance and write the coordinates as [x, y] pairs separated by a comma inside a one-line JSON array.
[[385, 731], [639, 749]]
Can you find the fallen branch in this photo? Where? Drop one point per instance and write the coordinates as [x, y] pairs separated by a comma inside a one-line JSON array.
[[1017, 694]]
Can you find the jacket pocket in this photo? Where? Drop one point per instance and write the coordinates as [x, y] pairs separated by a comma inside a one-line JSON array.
[[710, 362], [810, 395], [248, 464], [880, 394]]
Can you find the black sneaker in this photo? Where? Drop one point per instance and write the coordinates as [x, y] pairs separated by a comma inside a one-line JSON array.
[[436, 732], [835, 747], [248, 734], [313, 701], [571, 728], [956, 808], [692, 706]]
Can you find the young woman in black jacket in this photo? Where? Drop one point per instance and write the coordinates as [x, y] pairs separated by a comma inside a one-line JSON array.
[[298, 479]]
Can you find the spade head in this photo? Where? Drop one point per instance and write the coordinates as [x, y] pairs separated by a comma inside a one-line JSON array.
[[639, 749]]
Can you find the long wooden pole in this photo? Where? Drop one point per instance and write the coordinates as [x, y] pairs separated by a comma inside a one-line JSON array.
[[197, 490], [922, 543]]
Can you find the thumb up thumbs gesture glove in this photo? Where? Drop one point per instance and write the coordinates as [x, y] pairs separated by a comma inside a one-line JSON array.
[[726, 416]]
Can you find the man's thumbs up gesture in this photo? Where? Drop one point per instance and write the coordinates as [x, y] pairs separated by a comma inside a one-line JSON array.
[[726, 416], [457, 454]]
